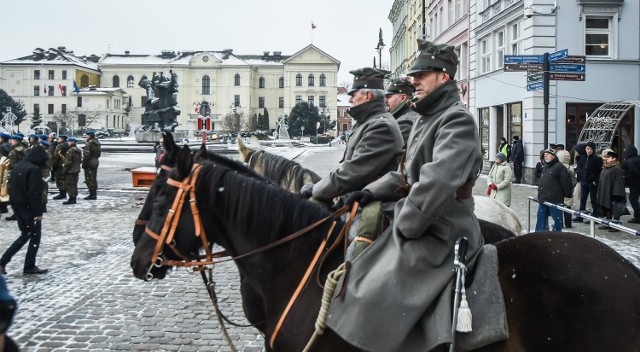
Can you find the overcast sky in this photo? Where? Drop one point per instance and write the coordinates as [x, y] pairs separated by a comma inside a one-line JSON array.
[[345, 29]]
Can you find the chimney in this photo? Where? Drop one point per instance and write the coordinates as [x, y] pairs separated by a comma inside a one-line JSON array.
[[277, 53], [265, 53], [62, 48], [126, 52]]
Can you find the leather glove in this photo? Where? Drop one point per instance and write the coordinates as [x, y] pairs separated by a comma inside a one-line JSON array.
[[306, 191], [363, 197], [493, 186]]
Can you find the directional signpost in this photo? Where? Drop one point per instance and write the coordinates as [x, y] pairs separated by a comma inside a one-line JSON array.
[[541, 68]]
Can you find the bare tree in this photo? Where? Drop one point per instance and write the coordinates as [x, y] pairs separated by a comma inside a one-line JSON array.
[[77, 119], [233, 122]]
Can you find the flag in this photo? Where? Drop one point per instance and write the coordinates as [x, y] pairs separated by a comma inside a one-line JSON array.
[[313, 25], [60, 87], [75, 87], [45, 88], [196, 109]]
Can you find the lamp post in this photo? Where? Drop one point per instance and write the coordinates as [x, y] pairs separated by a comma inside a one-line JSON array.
[[379, 48]]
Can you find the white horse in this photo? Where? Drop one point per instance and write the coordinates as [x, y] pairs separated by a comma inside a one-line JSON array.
[[296, 176]]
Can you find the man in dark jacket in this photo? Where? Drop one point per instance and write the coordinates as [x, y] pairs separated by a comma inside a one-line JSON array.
[[25, 197], [518, 158], [396, 98], [554, 185], [589, 178], [631, 172]]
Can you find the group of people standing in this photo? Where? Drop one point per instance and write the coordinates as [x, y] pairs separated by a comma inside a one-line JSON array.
[[25, 168]]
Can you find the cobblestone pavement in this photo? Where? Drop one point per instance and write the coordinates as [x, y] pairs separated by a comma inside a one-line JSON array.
[[89, 300]]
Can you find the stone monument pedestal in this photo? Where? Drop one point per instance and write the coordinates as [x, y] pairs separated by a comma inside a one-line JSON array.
[[155, 136]]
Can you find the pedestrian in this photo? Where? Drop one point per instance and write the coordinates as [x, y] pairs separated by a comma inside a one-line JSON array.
[[518, 158], [499, 180], [579, 160], [7, 311], [565, 159], [17, 153], [505, 148], [631, 173], [539, 167], [396, 98], [57, 165], [554, 185], [610, 188], [25, 197], [52, 150], [435, 208], [5, 148], [90, 154], [72, 162], [589, 178]]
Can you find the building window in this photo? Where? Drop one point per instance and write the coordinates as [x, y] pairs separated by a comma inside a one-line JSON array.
[[281, 82], [36, 74], [50, 109], [323, 80], [79, 103], [499, 49], [577, 114], [597, 36], [63, 109], [483, 115], [236, 101], [36, 91], [311, 80], [281, 102], [261, 102], [459, 12], [82, 120], [84, 81], [116, 81], [298, 80], [206, 85], [322, 101], [298, 99], [50, 91], [64, 74], [52, 74], [485, 55], [261, 82], [311, 100], [236, 80], [517, 39], [451, 12], [36, 107], [130, 82], [63, 91]]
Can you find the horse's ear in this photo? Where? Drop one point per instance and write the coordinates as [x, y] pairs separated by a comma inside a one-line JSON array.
[[202, 153], [184, 162], [169, 143], [243, 149]]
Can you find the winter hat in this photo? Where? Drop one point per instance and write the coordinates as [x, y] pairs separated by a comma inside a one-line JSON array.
[[551, 151], [501, 156]]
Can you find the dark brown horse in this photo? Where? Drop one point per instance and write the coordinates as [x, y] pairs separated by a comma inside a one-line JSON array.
[[563, 292]]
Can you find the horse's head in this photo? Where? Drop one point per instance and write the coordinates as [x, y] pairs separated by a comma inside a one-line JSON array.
[[167, 163], [169, 203]]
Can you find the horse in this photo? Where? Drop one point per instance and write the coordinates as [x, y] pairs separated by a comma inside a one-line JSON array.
[[562, 291], [292, 176]]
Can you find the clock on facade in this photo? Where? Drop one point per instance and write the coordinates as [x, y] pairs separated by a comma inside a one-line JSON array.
[[205, 58]]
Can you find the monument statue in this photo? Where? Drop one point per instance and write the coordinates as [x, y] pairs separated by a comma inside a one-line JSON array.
[[160, 113]]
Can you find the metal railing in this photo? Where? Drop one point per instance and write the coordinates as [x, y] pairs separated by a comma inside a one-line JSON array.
[[583, 214]]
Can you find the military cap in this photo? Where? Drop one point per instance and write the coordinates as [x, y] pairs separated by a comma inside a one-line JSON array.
[[43, 136], [45, 143], [71, 139], [400, 86], [20, 134], [62, 136], [434, 57], [16, 137], [90, 133], [4, 135], [367, 78], [33, 136]]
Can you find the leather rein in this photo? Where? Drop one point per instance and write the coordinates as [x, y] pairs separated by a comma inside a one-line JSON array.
[[167, 234]]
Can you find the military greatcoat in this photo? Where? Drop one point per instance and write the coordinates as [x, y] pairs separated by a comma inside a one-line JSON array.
[[405, 117], [374, 148], [73, 158], [399, 290], [90, 154]]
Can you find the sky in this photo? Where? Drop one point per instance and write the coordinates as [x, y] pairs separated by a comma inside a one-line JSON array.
[[347, 30]]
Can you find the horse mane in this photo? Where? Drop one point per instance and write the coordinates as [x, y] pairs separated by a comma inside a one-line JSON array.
[[276, 167], [235, 165], [255, 206]]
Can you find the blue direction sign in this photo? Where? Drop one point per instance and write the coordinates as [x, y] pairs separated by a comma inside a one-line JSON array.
[[535, 86], [567, 68], [519, 59], [560, 54]]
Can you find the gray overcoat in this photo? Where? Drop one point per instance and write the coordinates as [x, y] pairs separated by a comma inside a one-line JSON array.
[[374, 148], [399, 290], [405, 117]]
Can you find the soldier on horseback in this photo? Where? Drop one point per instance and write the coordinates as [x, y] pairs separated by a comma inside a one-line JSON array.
[[402, 284]]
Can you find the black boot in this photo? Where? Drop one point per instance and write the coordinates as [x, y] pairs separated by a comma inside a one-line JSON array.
[[72, 200], [62, 195], [92, 195]]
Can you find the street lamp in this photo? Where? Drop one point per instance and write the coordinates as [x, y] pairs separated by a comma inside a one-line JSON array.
[[379, 48]]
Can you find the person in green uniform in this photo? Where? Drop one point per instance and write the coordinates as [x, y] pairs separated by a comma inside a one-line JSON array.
[[73, 159], [57, 165], [90, 155]]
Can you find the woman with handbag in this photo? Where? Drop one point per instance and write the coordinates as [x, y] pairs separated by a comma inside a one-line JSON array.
[[611, 193]]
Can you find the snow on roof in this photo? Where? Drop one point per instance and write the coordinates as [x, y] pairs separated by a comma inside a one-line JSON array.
[[59, 56]]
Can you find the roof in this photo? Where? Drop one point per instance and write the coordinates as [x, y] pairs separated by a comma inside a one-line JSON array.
[[56, 56], [177, 58], [311, 46]]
